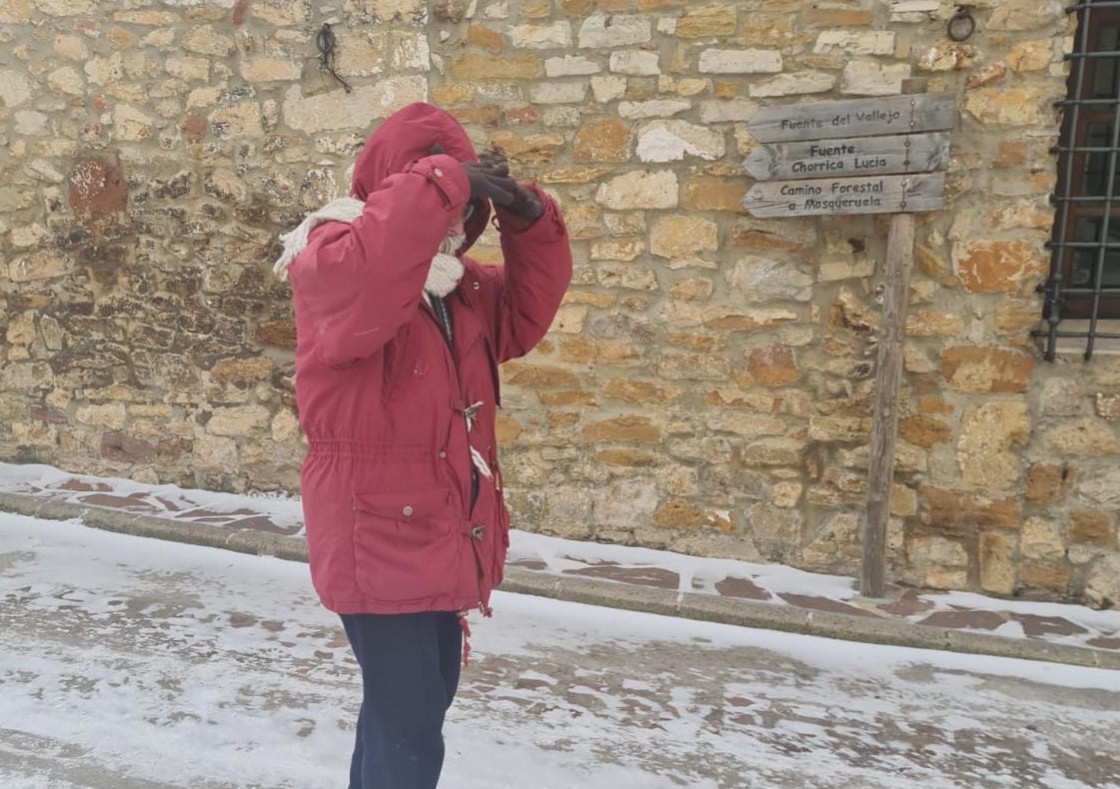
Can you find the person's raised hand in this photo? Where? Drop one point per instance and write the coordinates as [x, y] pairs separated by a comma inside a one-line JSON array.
[[491, 182], [524, 203]]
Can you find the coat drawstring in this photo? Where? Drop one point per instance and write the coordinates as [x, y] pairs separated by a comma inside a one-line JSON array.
[[465, 626]]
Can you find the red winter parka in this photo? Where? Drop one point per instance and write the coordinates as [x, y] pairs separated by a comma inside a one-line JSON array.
[[390, 409]]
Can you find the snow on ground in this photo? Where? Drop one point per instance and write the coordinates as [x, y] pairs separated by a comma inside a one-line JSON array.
[[138, 664]]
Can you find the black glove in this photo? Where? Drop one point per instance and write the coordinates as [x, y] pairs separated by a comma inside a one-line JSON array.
[[515, 198], [491, 182]]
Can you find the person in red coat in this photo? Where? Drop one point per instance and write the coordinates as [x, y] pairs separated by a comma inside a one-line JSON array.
[[399, 338]]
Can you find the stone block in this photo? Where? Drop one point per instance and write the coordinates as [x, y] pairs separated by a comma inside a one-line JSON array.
[[949, 56], [776, 451], [608, 89], [630, 428], [585, 351], [728, 111], [987, 369], [554, 35], [528, 149], [1020, 15], [763, 279], [1102, 486], [934, 551], [1085, 437], [602, 31], [338, 110], [683, 237], [679, 514], [668, 141], [924, 431], [771, 524], [1102, 586], [988, 434], [15, 12], [855, 42], [207, 40], [997, 566], [571, 66], [1107, 406], [558, 93], [1090, 526], [693, 367], [714, 194], [1031, 56], [602, 141], [1016, 106], [270, 70], [871, 78], [642, 189], [1045, 482], [618, 275], [740, 61], [707, 22], [694, 289], [800, 84], [960, 511], [827, 16], [635, 62], [479, 68], [1054, 578], [1041, 540], [934, 324], [659, 108], [110, 416], [642, 392], [999, 266], [774, 365], [239, 421]]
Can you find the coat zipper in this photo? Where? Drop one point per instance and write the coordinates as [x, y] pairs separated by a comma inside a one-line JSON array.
[[475, 535]]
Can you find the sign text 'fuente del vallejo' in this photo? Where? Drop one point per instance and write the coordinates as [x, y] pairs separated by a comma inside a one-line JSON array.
[[854, 118], [887, 171]]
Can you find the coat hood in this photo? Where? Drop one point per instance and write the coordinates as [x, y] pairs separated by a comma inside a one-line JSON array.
[[404, 137]]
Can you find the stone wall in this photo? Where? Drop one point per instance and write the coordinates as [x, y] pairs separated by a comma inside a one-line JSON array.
[[708, 384]]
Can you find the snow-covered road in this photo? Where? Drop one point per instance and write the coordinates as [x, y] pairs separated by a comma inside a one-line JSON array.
[[128, 663]]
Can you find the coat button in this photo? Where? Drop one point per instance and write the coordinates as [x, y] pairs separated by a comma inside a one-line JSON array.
[[443, 456], [475, 285], [407, 511], [437, 172]]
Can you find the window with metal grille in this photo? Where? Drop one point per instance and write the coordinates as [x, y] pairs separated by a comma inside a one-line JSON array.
[[1084, 283]]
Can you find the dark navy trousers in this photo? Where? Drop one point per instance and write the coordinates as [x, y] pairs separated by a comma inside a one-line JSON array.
[[410, 671]]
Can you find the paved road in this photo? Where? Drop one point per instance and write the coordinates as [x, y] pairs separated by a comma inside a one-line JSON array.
[[135, 664]]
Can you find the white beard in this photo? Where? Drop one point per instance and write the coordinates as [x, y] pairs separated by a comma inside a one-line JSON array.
[[446, 269]]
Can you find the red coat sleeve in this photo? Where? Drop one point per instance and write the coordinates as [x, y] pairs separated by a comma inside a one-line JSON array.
[[360, 283], [532, 283]]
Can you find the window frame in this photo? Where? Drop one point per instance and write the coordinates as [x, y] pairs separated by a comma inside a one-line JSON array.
[[1083, 109]]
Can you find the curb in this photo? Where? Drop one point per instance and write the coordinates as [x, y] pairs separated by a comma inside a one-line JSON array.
[[667, 602]]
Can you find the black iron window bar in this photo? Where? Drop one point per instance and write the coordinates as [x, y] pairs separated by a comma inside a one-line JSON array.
[[1066, 299]]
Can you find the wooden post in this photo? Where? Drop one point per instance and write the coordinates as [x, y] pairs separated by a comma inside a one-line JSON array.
[[884, 427]]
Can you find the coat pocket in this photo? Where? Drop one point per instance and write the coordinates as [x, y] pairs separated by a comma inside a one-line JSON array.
[[406, 546]]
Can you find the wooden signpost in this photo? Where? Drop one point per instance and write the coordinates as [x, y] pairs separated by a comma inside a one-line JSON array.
[[894, 154], [920, 112], [886, 194], [873, 156]]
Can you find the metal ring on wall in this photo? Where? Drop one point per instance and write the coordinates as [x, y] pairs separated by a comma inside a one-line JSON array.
[[961, 25]]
